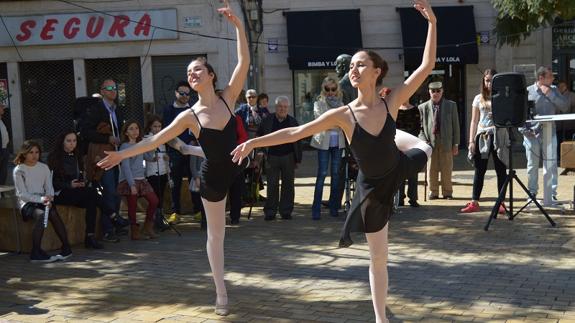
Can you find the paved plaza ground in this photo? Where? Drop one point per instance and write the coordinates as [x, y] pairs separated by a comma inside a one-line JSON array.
[[443, 267]]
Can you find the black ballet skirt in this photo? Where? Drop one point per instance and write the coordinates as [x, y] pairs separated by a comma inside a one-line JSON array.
[[382, 168], [218, 172]]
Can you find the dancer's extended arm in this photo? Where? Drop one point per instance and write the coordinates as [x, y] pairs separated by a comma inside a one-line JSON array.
[[404, 91], [182, 122], [330, 119], [236, 84]]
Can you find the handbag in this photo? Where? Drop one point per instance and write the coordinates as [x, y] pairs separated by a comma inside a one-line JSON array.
[[241, 133]]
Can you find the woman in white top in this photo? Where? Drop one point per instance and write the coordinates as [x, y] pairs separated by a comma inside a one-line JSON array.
[[33, 181], [329, 145], [483, 142]]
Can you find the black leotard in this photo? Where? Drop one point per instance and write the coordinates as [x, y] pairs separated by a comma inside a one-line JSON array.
[[218, 171], [382, 167]]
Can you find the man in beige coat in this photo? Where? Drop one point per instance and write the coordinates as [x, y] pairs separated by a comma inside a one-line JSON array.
[[440, 129]]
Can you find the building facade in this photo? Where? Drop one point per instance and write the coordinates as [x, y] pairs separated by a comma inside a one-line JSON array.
[[53, 52]]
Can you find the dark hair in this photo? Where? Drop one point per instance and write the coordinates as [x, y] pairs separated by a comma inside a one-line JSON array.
[[183, 83], [485, 92], [151, 119], [262, 96], [128, 123], [210, 68], [378, 62], [56, 156], [25, 149]]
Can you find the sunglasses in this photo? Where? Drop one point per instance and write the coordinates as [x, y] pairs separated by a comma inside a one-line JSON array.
[[330, 89], [251, 97], [110, 88], [183, 93], [436, 91]]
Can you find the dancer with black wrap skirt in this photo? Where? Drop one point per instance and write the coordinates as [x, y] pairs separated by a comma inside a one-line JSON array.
[[385, 156]]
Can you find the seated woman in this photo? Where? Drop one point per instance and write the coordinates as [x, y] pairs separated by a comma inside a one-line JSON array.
[[70, 184], [35, 195]]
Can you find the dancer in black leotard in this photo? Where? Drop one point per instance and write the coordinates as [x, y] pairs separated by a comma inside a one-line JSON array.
[[210, 121], [369, 125]]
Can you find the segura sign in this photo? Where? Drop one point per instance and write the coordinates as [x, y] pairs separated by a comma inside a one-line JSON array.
[[89, 27]]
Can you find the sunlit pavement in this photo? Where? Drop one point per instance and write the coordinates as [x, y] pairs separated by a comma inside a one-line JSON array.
[[442, 267]]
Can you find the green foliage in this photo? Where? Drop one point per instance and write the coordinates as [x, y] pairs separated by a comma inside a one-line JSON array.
[[516, 19]]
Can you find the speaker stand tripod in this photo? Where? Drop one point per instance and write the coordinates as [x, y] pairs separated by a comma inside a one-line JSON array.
[[509, 182]]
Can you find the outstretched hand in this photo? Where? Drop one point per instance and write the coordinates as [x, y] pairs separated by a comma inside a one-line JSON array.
[[227, 12], [112, 159], [241, 152], [425, 9]]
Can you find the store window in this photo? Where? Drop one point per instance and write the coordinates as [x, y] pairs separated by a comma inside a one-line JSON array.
[[307, 86]]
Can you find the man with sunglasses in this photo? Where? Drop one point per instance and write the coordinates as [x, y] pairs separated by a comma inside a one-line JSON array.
[[179, 164], [440, 129], [106, 112]]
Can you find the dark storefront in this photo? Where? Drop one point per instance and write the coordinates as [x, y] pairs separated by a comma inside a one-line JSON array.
[[167, 71], [47, 99], [456, 46], [564, 52], [315, 40], [127, 74]]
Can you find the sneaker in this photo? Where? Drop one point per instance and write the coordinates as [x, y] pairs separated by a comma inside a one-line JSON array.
[[64, 254], [174, 218], [197, 216], [470, 207], [433, 197], [119, 221], [42, 257], [110, 237]]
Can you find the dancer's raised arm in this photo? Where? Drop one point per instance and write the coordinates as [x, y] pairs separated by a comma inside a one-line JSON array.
[[404, 91], [234, 87], [330, 119], [182, 122]]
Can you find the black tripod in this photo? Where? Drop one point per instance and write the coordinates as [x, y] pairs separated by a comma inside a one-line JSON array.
[[509, 181], [160, 210]]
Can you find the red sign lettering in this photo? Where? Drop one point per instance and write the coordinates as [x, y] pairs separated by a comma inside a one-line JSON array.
[[143, 25], [120, 22], [25, 28], [92, 31], [69, 31], [48, 28]]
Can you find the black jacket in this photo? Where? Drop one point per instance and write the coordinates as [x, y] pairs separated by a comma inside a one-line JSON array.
[[94, 115], [266, 127]]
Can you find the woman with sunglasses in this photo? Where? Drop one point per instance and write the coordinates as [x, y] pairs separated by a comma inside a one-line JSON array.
[[213, 123], [329, 145], [385, 156]]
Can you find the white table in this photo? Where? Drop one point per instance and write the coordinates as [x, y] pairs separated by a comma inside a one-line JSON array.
[[547, 126]]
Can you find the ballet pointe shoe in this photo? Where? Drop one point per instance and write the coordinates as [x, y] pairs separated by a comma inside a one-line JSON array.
[[135, 232], [149, 230], [222, 309]]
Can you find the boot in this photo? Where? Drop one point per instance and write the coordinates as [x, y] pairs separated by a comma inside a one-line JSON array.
[[149, 229], [135, 232]]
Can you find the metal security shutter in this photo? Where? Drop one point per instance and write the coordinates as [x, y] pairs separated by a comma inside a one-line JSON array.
[[47, 98], [127, 74], [167, 72]]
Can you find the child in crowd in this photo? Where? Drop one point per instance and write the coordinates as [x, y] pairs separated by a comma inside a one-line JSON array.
[[35, 193], [157, 169], [133, 183]]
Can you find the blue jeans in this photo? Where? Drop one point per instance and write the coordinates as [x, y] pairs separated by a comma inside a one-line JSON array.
[[534, 149], [111, 199], [323, 157]]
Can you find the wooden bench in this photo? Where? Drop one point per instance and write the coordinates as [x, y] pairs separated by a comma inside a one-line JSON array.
[[74, 219]]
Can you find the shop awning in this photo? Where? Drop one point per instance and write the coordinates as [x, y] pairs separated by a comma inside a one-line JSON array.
[[316, 38], [456, 36]]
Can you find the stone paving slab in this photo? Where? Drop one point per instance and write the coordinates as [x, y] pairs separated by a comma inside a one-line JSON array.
[[443, 267]]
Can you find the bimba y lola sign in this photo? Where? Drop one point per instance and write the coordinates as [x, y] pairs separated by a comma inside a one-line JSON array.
[[89, 27]]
